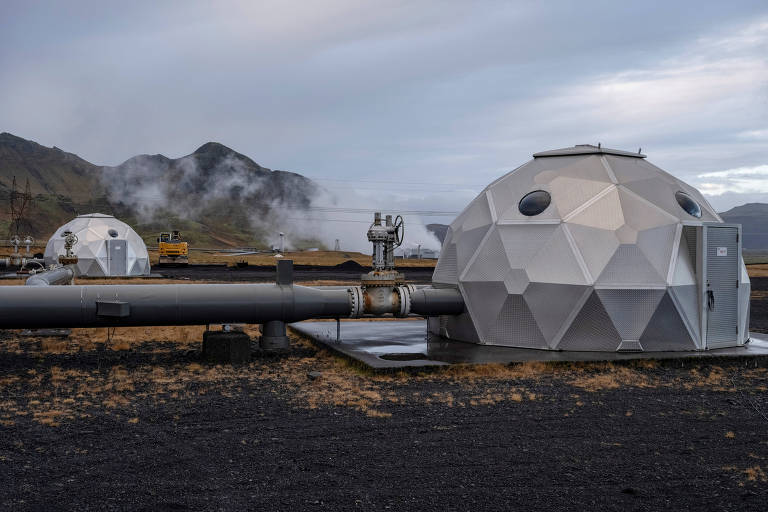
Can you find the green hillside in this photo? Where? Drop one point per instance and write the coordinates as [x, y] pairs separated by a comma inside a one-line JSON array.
[[215, 195]]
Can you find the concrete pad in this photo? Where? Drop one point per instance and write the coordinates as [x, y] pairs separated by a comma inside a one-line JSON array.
[[390, 345]]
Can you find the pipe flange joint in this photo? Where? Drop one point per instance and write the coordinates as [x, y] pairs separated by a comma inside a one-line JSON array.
[[355, 302], [405, 299]]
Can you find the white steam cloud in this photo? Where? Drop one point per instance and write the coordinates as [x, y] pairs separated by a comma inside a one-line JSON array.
[[198, 186]]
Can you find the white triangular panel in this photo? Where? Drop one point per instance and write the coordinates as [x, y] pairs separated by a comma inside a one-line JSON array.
[[629, 267], [657, 245], [552, 305], [630, 309], [684, 273], [556, 262], [595, 245], [523, 242], [604, 213]]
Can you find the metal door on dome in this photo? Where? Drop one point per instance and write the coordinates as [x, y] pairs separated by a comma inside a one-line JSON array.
[[117, 253], [721, 285]]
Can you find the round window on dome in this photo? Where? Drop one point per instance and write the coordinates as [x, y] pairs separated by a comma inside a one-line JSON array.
[[687, 203], [112, 233], [533, 203]]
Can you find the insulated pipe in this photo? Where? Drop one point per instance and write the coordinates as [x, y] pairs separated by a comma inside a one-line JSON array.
[[40, 306], [436, 301], [61, 275], [187, 304]]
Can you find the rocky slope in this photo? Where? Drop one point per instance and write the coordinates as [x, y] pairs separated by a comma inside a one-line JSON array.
[[753, 218], [215, 195]]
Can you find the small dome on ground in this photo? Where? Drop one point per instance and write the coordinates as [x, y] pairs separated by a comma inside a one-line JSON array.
[[106, 247]]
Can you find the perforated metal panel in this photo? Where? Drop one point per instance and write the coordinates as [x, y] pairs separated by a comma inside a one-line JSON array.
[[721, 285], [556, 262], [522, 242], [666, 330], [604, 212], [467, 243], [516, 326], [490, 262], [692, 240], [446, 269], [630, 309], [595, 245], [687, 301], [629, 266], [592, 329], [656, 245], [484, 300], [551, 314], [459, 327]]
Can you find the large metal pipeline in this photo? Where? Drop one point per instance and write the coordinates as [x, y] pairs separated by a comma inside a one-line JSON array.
[[199, 304], [167, 304], [436, 301]]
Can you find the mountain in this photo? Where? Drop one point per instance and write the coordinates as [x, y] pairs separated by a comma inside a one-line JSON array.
[[753, 218], [215, 195], [49, 170], [61, 184], [439, 230]]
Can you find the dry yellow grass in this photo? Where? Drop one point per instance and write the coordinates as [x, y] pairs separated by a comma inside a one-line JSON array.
[[757, 270], [470, 373], [324, 258], [57, 394], [12, 282], [51, 417], [753, 474], [611, 377], [756, 474], [54, 345], [713, 377], [373, 413]]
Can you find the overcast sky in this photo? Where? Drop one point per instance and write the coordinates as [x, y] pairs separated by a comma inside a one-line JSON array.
[[450, 93]]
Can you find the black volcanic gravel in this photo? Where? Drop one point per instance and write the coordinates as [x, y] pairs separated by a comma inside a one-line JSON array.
[[758, 313], [185, 436], [347, 271], [255, 441]]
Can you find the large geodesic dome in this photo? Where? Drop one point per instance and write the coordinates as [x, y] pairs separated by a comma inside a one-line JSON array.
[[105, 247], [593, 249]]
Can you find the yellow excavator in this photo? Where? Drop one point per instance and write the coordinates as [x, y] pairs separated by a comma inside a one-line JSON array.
[[173, 250]]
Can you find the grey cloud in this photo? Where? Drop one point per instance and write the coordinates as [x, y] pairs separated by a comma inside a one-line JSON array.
[[456, 92]]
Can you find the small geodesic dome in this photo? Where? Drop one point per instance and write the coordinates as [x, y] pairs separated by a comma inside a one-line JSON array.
[[105, 247], [593, 249]]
